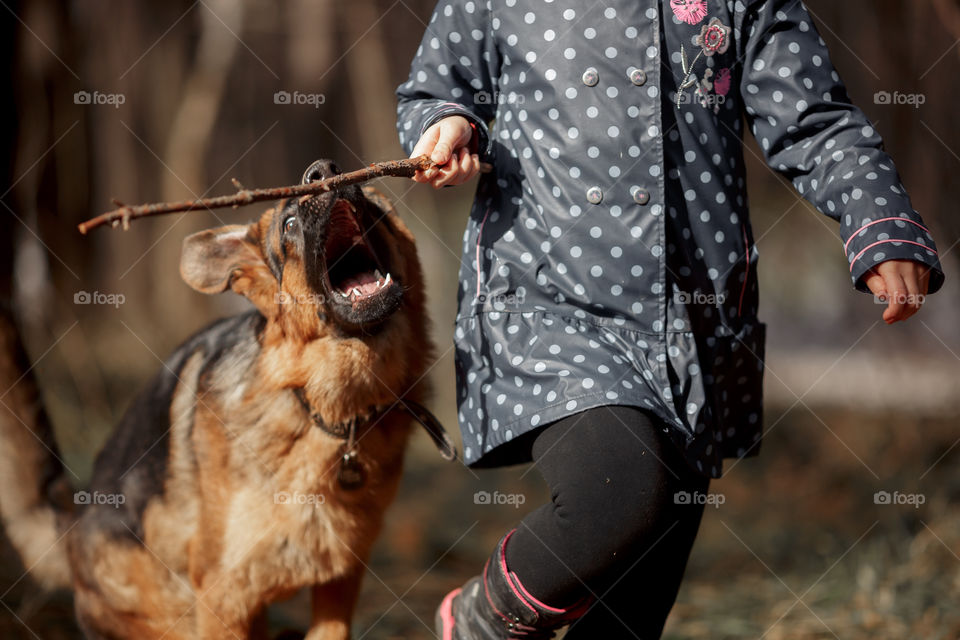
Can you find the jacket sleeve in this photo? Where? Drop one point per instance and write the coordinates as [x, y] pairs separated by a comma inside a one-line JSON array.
[[454, 72], [809, 131]]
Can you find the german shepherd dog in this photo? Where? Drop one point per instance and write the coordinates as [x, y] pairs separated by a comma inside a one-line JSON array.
[[262, 457]]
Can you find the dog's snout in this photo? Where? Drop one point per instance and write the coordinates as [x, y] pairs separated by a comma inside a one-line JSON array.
[[320, 170]]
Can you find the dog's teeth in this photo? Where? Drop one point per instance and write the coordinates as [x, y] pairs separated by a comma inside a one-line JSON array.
[[341, 294], [356, 291], [386, 280]]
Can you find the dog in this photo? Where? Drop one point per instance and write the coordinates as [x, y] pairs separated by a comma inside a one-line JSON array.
[[260, 460]]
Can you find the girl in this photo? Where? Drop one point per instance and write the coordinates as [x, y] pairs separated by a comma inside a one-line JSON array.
[[607, 324]]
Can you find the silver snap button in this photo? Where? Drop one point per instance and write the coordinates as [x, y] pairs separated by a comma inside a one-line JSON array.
[[641, 196], [638, 77], [590, 77], [594, 195]]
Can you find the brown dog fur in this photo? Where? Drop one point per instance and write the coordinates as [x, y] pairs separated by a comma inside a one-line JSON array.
[[205, 540]]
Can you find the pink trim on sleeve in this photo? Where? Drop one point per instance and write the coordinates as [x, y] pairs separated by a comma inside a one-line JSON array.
[[854, 261], [870, 224]]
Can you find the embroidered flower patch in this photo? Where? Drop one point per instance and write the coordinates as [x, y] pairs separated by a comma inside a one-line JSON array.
[[689, 11], [714, 37]]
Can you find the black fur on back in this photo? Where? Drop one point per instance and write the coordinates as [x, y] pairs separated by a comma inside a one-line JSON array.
[[133, 462]]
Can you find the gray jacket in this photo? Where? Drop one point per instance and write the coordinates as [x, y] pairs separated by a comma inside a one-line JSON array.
[[609, 257]]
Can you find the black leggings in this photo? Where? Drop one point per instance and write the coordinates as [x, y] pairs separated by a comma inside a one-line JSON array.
[[612, 528]]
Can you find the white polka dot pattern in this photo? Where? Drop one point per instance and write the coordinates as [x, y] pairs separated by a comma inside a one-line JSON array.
[[609, 256]]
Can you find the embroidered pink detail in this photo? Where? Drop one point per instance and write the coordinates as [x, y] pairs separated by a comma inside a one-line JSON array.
[[746, 271], [689, 11], [722, 84], [714, 38], [446, 614], [864, 250], [869, 224]]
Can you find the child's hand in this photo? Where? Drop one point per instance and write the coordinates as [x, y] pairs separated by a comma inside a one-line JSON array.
[[902, 284], [446, 142]]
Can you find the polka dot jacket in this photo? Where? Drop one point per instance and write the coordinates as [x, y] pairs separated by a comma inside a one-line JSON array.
[[608, 258]]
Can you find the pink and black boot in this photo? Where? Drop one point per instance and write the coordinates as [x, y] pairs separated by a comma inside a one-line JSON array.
[[496, 606]]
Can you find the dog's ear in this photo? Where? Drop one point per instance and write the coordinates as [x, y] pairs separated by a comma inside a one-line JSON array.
[[215, 259]]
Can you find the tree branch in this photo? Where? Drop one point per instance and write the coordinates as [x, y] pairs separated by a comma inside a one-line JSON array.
[[125, 213]]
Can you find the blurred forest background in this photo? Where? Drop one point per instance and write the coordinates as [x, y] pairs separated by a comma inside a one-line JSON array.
[[799, 549]]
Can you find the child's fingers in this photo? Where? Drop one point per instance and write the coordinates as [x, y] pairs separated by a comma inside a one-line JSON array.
[[427, 142], [896, 296], [449, 174], [914, 297], [424, 147], [469, 164], [874, 282], [445, 143], [455, 132], [902, 284]]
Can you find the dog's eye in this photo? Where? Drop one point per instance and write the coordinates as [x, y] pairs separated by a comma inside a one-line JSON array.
[[290, 224]]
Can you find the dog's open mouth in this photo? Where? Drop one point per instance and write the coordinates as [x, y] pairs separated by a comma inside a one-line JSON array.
[[355, 275]]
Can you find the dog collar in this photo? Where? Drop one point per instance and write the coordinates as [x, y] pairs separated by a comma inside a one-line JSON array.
[[347, 430]]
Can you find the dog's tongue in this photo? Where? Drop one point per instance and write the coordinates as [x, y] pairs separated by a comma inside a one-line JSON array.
[[366, 282]]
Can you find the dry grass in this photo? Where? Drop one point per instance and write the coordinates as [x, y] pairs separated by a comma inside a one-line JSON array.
[[798, 550]]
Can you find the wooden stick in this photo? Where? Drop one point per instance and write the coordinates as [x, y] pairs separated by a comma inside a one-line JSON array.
[[125, 213]]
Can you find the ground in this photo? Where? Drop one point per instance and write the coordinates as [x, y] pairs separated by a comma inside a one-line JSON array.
[[799, 549]]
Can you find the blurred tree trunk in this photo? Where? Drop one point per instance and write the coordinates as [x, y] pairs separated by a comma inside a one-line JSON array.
[[188, 140]]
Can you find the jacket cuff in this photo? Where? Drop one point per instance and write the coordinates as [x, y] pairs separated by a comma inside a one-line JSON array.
[[480, 143], [891, 238]]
